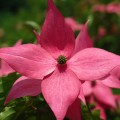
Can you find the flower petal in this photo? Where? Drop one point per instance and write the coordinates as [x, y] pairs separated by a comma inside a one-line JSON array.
[[113, 80], [104, 94], [56, 36], [87, 88], [37, 36], [60, 90], [83, 40], [117, 98], [74, 111], [81, 95], [102, 111], [30, 60], [5, 69], [93, 63], [24, 87], [19, 42]]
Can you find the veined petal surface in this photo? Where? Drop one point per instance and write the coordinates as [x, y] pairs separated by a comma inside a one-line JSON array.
[[56, 36], [60, 90], [83, 40], [93, 63], [29, 60], [24, 87], [104, 94]]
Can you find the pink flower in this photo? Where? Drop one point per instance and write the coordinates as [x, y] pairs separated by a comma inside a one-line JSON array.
[[73, 24], [113, 79], [101, 31], [117, 98], [74, 111], [5, 69], [100, 107], [113, 8], [56, 66], [99, 8], [110, 8], [101, 95]]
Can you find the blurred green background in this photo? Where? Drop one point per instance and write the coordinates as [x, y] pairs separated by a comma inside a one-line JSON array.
[[17, 21], [14, 14]]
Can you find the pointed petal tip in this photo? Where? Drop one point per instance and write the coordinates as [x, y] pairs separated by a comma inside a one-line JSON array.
[[60, 94], [24, 86], [37, 36], [5, 103], [82, 98], [87, 22], [83, 39], [19, 42], [7, 100], [21, 55], [85, 26], [56, 35], [50, 3]]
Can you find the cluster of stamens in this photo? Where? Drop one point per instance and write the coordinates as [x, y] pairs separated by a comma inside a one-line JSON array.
[[93, 83], [61, 59]]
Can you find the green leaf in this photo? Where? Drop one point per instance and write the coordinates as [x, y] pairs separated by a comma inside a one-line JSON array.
[[116, 91], [7, 113], [96, 114], [88, 114], [6, 83], [32, 25]]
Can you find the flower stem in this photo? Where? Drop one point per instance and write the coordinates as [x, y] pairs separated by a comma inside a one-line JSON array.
[[89, 110]]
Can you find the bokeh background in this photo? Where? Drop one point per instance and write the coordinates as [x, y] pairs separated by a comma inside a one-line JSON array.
[[18, 19]]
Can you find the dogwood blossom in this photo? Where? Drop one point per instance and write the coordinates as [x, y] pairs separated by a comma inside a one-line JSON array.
[[5, 69], [109, 8], [101, 95], [57, 66]]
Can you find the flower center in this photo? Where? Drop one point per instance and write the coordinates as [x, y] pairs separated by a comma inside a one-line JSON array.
[[61, 59], [93, 83]]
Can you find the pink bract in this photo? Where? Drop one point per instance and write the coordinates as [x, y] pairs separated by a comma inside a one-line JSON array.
[[73, 24], [99, 8], [117, 98], [101, 31], [110, 8], [5, 69], [101, 95], [58, 77]]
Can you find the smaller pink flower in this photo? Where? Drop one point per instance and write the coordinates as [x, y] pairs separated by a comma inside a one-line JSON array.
[[102, 109], [73, 24], [99, 8], [113, 8], [110, 8], [57, 66], [101, 31], [100, 94], [117, 98], [5, 69], [113, 79]]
